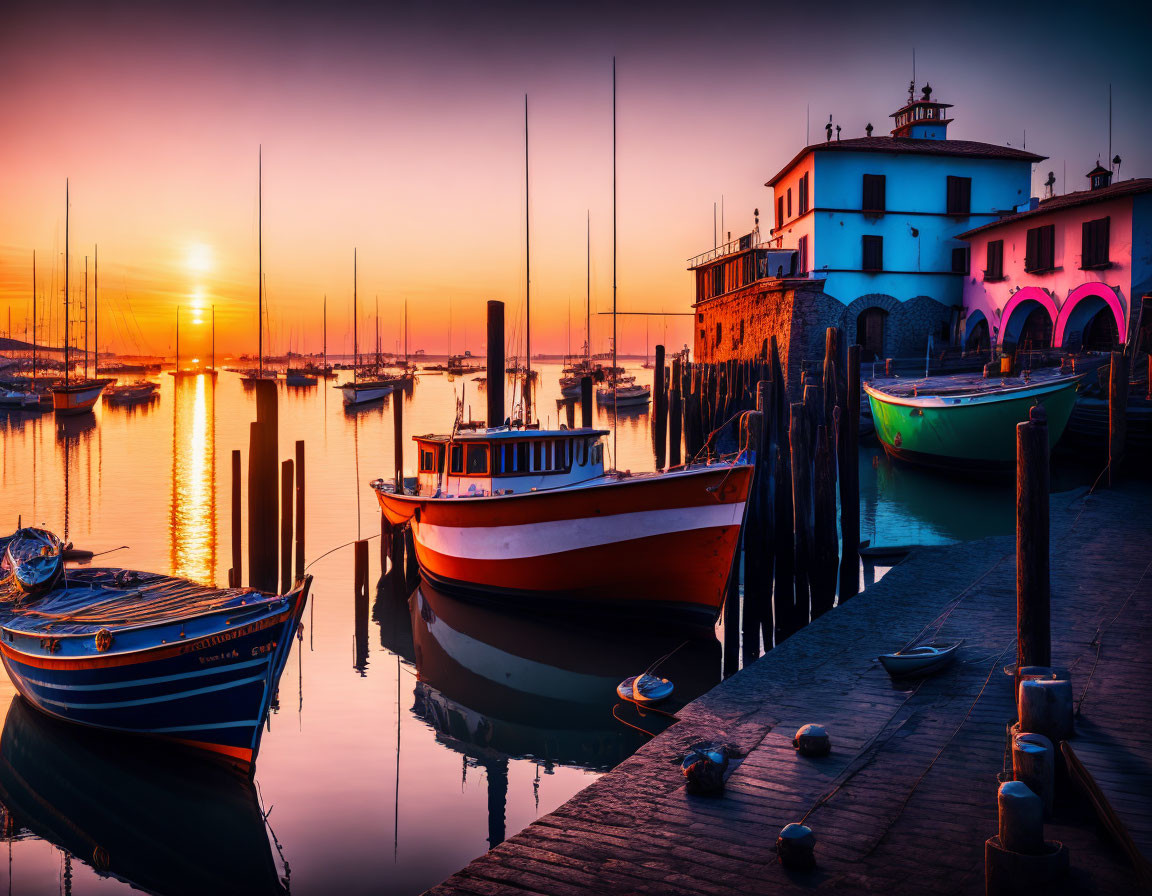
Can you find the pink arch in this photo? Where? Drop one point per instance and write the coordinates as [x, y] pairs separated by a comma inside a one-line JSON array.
[[1036, 294], [1084, 291]]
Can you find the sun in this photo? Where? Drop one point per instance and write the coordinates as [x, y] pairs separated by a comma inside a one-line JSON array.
[[198, 258]]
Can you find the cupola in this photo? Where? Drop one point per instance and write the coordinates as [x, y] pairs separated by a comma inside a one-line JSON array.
[[922, 117], [1099, 177]]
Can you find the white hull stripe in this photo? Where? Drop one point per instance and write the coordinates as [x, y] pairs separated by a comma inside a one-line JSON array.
[[143, 682], [164, 698], [210, 727], [556, 536]]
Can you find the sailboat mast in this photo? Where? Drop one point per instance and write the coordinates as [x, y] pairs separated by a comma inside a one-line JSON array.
[[260, 258], [355, 324], [177, 340], [527, 279], [85, 317], [615, 378], [325, 330], [33, 320], [588, 290], [213, 339], [67, 328], [377, 334], [96, 312], [405, 332]]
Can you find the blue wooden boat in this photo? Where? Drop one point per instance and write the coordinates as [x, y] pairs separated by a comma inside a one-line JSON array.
[[154, 655]]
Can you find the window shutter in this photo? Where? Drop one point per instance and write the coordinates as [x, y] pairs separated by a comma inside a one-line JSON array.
[[1031, 249], [873, 252]]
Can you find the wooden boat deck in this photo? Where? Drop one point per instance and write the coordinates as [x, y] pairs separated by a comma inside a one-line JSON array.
[[907, 797]]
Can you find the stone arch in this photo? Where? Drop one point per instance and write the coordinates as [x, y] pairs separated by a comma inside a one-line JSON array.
[[1083, 304], [1016, 312], [878, 307], [977, 332]]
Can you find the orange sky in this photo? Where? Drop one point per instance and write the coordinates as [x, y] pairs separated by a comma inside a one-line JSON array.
[[403, 137]]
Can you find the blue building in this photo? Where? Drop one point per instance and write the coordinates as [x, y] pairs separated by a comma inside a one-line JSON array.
[[865, 238]]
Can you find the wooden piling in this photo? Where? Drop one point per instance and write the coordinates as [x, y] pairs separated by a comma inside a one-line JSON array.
[[586, 402], [660, 399], [732, 614], [766, 494], [495, 363], [299, 509], [674, 415], [801, 509], [824, 550], [1117, 414], [784, 614], [236, 571], [1033, 627], [263, 502], [398, 437], [849, 454], [287, 477], [385, 543], [757, 556], [360, 572]]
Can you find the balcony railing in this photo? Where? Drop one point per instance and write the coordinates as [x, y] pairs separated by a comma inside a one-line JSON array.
[[740, 244]]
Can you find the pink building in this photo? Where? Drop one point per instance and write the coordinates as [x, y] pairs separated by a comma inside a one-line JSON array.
[[1068, 273]]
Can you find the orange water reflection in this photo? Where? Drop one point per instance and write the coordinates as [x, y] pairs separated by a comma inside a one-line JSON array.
[[193, 509]]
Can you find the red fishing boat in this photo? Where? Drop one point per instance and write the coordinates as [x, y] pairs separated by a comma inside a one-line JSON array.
[[531, 516]]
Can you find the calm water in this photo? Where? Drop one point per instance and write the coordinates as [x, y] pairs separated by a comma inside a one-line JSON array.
[[409, 735]]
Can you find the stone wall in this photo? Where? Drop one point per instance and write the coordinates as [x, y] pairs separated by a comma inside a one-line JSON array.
[[797, 312]]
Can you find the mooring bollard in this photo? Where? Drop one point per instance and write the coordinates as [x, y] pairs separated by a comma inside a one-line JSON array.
[[286, 482], [586, 402], [1021, 818], [235, 573], [812, 740], [703, 769], [299, 509], [495, 363], [398, 439], [1046, 707], [1033, 594], [1033, 764], [360, 571], [796, 847], [1117, 414], [1019, 859]]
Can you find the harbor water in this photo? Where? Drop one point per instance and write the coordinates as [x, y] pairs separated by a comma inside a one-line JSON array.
[[409, 735]]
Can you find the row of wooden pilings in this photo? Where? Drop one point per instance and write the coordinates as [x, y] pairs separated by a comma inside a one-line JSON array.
[[805, 453], [269, 513]]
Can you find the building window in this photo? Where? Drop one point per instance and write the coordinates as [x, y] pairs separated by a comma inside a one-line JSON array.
[[741, 331], [802, 198], [959, 195], [870, 333], [719, 332], [703, 334], [789, 206], [779, 212], [717, 279], [873, 253], [874, 185], [802, 252], [701, 316], [994, 266], [960, 260], [1094, 252], [1040, 253]]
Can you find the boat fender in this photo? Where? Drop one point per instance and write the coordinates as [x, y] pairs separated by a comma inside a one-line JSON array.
[[898, 441], [796, 847], [703, 769], [416, 514], [812, 740], [103, 640]]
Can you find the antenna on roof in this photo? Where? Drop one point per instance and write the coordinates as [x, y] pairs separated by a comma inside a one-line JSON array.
[[1109, 121], [912, 83]]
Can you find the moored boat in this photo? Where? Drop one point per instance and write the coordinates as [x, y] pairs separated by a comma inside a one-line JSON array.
[[965, 421], [155, 655], [131, 393], [914, 662], [530, 516]]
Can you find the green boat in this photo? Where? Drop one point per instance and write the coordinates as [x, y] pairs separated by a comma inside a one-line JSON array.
[[966, 422]]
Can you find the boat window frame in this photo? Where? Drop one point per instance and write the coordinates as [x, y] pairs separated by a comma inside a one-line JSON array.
[[455, 469], [473, 450]]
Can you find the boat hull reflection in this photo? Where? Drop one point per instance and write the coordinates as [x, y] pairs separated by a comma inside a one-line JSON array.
[[492, 682], [163, 824]]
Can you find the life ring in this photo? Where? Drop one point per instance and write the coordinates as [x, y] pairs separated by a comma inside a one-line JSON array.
[[103, 640]]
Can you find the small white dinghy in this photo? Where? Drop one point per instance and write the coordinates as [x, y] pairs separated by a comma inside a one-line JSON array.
[[924, 659], [645, 689]]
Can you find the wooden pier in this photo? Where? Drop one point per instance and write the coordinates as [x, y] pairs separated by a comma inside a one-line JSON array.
[[907, 798]]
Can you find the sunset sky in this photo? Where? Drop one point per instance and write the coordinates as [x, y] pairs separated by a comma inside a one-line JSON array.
[[401, 133]]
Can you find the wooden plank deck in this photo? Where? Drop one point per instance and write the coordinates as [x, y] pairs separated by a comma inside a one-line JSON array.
[[908, 796]]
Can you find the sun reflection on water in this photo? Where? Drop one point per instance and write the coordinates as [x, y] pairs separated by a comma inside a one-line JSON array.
[[193, 526]]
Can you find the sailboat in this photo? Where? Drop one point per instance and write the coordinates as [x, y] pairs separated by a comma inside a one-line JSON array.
[[74, 396], [249, 377], [520, 515], [27, 396], [576, 369], [361, 391]]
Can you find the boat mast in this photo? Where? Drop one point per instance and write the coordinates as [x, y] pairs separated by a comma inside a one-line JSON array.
[[33, 320], [355, 324], [405, 333], [85, 317], [325, 330], [177, 340], [377, 335], [67, 328], [527, 281], [615, 378], [260, 260], [213, 338], [96, 313], [588, 292]]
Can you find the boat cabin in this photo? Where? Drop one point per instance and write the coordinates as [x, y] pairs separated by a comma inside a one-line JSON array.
[[506, 461]]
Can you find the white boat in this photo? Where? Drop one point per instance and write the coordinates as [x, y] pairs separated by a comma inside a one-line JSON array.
[[365, 391], [629, 395], [924, 659]]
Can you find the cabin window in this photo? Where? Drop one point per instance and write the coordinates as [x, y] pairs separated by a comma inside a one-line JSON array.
[[477, 460], [596, 454], [508, 450], [959, 195], [1095, 244], [994, 265], [960, 260], [537, 456], [521, 457], [431, 459], [874, 189], [457, 459], [873, 249], [1040, 251], [582, 452]]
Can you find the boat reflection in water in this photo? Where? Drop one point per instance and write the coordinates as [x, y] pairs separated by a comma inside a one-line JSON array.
[[496, 685], [163, 824]]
